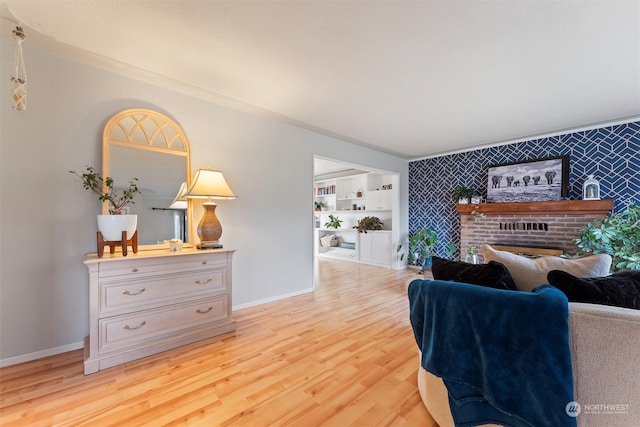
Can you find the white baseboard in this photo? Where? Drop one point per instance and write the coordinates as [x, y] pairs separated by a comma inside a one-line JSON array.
[[40, 354], [266, 300]]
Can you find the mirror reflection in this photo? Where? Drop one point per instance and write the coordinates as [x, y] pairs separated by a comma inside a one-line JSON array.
[[159, 178]]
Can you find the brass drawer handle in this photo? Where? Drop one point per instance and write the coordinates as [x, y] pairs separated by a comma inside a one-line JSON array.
[[129, 328], [209, 280], [204, 312], [126, 292]]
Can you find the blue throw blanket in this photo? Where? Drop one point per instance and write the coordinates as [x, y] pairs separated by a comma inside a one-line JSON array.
[[503, 355]]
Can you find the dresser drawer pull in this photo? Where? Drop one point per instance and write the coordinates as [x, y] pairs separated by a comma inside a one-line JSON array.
[[204, 262], [204, 312], [209, 280], [135, 270], [126, 292], [129, 328]]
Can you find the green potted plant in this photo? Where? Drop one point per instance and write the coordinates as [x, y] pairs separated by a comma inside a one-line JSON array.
[[472, 255], [421, 244], [111, 226], [450, 251], [617, 235], [319, 205], [462, 194], [334, 222], [103, 187], [368, 223]]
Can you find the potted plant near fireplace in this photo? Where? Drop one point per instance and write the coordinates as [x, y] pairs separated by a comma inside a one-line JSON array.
[[421, 244], [111, 226], [462, 194]]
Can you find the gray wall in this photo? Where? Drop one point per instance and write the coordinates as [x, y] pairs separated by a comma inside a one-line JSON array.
[[47, 221]]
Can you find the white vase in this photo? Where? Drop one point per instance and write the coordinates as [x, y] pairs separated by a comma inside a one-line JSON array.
[[112, 226]]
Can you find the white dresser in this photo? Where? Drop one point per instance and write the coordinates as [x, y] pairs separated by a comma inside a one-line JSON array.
[[153, 301]]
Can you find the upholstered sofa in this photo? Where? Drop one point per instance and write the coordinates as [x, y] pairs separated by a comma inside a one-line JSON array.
[[604, 343]]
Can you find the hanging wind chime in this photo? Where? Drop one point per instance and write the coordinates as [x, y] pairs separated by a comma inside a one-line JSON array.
[[19, 76]]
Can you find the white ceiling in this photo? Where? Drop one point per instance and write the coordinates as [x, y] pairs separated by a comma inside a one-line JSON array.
[[413, 78]]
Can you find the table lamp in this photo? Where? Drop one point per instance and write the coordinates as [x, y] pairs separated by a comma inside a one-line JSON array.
[[209, 184]]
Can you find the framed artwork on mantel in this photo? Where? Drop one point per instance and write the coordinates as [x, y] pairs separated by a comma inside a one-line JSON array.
[[529, 181]]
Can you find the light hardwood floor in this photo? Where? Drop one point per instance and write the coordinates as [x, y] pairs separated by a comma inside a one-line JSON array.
[[341, 356]]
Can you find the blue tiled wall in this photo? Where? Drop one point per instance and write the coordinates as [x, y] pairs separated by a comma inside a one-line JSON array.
[[611, 153]]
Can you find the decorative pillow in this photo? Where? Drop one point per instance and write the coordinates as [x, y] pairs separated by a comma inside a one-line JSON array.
[[492, 275], [528, 273], [620, 289]]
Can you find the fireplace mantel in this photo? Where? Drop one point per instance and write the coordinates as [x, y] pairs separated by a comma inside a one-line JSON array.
[[554, 207]]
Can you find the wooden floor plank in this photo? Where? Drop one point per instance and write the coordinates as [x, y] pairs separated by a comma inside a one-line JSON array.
[[341, 356]]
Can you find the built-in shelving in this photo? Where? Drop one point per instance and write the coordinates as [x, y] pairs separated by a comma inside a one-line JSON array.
[[351, 199]]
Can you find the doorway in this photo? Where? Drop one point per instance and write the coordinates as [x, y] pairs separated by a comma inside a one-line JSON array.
[[344, 194]]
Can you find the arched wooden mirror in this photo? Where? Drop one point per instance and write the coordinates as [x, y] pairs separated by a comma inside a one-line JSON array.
[[151, 147]]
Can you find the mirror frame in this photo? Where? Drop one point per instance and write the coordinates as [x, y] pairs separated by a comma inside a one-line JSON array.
[[143, 129]]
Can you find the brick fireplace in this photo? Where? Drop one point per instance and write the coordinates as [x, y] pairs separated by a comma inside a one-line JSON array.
[[550, 224]]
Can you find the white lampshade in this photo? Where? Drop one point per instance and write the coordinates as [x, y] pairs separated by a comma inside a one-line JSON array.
[[209, 184], [180, 202]]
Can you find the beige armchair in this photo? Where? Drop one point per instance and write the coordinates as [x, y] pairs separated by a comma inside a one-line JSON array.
[[605, 354]]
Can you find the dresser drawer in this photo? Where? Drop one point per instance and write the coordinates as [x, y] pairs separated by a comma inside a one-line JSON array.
[[137, 268], [155, 291], [124, 331]]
